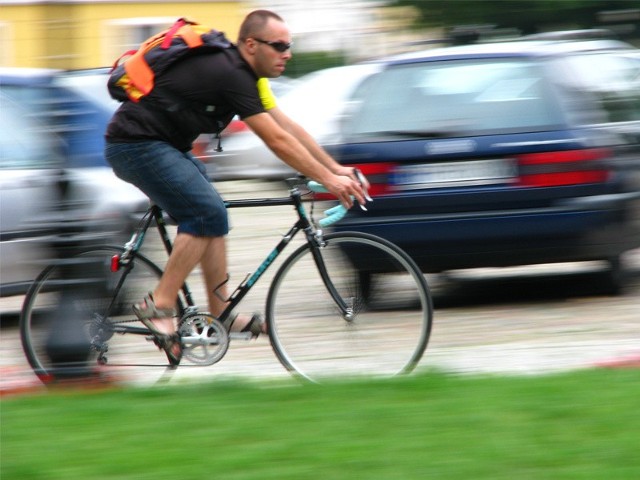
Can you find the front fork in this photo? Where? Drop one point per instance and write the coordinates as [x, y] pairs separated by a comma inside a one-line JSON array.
[[317, 243]]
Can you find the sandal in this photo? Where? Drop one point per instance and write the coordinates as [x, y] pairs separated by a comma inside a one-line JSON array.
[[170, 343], [146, 310], [253, 326]]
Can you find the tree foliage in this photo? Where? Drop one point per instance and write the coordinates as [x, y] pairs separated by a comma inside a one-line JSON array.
[[528, 16]]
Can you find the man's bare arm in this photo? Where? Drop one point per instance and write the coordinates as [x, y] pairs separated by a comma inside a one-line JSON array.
[[311, 145], [295, 154]]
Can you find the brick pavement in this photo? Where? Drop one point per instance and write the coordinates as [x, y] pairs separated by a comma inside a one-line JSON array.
[[526, 329]]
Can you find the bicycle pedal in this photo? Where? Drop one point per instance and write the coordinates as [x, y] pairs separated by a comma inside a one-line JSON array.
[[240, 336], [154, 340]]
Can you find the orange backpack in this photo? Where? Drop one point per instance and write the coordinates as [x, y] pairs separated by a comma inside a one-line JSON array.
[[134, 78]]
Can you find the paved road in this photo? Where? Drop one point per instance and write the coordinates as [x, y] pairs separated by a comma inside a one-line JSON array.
[[521, 320]]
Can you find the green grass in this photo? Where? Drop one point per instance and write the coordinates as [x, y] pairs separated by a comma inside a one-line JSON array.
[[579, 425]]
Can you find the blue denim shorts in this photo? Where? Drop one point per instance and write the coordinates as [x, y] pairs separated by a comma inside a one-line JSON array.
[[175, 181]]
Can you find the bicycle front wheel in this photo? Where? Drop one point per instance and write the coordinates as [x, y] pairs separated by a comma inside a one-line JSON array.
[[371, 314], [74, 309]]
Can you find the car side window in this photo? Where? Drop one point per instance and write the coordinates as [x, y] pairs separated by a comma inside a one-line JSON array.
[[612, 79]]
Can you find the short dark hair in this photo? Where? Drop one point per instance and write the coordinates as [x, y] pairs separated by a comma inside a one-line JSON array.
[[254, 23]]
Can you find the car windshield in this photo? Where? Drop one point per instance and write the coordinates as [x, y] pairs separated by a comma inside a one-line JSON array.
[[454, 98]]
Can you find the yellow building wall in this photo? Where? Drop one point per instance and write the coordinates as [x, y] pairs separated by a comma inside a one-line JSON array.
[[84, 34], [21, 34]]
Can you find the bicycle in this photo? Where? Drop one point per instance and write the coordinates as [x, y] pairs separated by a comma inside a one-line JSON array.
[[349, 322]]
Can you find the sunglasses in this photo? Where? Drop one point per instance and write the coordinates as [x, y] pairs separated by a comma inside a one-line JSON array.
[[277, 46]]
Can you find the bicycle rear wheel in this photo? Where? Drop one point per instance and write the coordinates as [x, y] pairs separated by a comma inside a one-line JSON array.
[[74, 309], [390, 314]]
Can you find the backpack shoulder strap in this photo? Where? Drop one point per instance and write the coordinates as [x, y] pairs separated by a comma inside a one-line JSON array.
[[182, 28]]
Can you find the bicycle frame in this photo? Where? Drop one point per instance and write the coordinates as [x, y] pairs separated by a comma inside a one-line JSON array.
[[313, 236], [347, 331], [314, 239]]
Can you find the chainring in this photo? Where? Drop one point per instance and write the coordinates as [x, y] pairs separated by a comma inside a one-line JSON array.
[[204, 339]]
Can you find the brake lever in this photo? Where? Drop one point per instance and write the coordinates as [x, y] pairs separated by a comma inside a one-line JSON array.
[[362, 180]]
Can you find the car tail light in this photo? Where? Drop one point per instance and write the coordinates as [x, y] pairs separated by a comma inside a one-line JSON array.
[[571, 167], [205, 144], [236, 126], [201, 145], [378, 175]]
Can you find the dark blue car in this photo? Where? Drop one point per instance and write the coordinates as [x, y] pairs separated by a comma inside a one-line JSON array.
[[501, 154]]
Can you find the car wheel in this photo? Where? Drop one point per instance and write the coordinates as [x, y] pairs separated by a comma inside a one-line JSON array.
[[614, 277]]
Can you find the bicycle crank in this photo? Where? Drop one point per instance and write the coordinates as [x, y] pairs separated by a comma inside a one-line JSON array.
[[204, 339]]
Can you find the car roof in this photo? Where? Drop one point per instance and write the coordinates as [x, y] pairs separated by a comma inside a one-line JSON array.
[[44, 76], [26, 76], [514, 48]]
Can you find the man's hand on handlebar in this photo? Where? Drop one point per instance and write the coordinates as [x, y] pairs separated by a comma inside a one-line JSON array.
[[349, 183], [363, 182]]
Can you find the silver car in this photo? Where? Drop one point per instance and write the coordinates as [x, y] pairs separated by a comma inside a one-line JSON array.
[[55, 186], [27, 190]]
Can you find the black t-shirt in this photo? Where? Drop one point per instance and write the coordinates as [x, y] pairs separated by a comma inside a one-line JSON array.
[[208, 90]]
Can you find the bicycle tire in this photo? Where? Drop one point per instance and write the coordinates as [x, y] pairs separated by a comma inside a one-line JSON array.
[[96, 308], [391, 322]]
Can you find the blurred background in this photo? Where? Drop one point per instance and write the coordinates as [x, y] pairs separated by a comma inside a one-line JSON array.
[[79, 34], [57, 192]]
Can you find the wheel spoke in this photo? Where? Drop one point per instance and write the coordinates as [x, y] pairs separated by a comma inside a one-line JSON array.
[[390, 323], [95, 315]]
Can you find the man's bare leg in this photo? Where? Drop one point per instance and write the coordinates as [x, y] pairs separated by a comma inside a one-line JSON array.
[[214, 271], [187, 252]]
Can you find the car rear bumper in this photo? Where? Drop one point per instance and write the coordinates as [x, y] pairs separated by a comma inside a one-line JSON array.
[[586, 228]]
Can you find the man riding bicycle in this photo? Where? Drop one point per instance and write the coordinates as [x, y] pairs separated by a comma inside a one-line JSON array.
[[150, 148]]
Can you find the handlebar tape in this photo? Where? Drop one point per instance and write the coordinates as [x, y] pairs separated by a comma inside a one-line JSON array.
[[334, 213]]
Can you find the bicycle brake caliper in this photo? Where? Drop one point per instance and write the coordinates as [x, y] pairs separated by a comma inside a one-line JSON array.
[[319, 238]]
